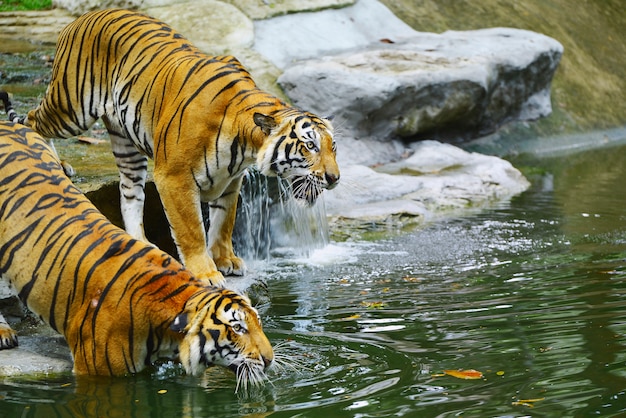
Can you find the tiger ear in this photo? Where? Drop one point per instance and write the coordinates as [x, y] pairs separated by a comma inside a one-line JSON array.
[[265, 122], [180, 323]]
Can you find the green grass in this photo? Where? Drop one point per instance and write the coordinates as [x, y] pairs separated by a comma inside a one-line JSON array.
[[11, 5]]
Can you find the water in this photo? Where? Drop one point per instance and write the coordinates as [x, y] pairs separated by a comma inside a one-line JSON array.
[[269, 223], [531, 293]]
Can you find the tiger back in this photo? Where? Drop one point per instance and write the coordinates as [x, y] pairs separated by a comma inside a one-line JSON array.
[[120, 303], [200, 117]]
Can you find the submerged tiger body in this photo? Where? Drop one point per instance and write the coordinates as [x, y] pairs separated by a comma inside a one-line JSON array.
[[119, 302], [201, 118]]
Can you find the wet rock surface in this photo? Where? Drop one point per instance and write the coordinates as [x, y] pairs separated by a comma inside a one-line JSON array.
[[37, 354]]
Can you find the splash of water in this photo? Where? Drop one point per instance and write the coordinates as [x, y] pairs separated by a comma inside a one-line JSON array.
[[270, 221]]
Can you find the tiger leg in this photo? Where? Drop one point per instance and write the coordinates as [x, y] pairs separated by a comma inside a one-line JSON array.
[[8, 337], [220, 235], [181, 202], [133, 168]]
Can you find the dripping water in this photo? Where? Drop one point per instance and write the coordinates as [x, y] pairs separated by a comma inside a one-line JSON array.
[[270, 222]]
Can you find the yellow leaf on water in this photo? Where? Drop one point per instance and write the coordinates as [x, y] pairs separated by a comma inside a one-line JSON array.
[[527, 402], [500, 373], [351, 317], [162, 391], [373, 305], [464, 374], [532, 400]]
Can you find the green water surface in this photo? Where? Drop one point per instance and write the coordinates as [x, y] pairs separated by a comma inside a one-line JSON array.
[[531, 293]]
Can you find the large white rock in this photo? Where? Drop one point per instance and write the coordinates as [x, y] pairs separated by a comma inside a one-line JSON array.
[[264, 9], [436, 179], [285, 40], [454, 85], [79, 7], [213, 26]]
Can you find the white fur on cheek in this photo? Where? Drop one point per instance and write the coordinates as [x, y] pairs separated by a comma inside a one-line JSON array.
[[194, 356], [189, 355], [264, 161]]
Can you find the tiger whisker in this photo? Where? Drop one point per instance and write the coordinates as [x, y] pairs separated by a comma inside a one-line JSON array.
[[284, 363], [283, 360], [249, 374], [307, 188]]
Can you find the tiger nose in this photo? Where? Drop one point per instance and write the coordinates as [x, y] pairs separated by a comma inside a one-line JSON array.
[[331, 180], [266, 361]]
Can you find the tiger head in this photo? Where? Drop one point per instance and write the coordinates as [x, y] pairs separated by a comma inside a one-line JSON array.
[[220, 327], [300, 148]]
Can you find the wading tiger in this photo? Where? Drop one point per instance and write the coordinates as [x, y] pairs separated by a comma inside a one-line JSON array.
[[201, 118], [119, 302]]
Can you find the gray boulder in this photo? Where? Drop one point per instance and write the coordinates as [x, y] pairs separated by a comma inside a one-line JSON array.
[[79, 7], [288, 39], [436, 180], [37, 354], [220, 28], [450, 86]]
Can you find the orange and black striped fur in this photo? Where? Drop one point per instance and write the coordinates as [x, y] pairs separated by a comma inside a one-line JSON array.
[[200, 117], [120, 303]]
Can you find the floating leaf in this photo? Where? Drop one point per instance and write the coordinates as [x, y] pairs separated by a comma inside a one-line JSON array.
[[373, 305], [464, 374], [527, 402], [500, 373], [162, 391], [351, 317]]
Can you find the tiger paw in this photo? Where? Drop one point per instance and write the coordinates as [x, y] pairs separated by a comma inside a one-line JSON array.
[[214, 278], [230, 266], [8, 337], [68, 169]]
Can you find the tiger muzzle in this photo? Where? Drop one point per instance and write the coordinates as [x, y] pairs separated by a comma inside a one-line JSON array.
[[331, 181]]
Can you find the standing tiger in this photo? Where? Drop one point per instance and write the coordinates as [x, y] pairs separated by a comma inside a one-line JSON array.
[[201, 118], [119, 302]]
